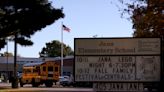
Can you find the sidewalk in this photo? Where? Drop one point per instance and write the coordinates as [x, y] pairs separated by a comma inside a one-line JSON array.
[[5, 86]]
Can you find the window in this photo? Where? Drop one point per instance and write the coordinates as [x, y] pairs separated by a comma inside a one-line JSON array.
[[37, 69], [68, 73], [27, 70], [50, 68], [44, 68], [64, 73], [50, 75], [56, 69]]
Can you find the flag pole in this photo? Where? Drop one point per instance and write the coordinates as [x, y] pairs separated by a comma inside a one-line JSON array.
[[62, 49]]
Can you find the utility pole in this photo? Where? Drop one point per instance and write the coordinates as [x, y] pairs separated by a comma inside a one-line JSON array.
[[15, 79]]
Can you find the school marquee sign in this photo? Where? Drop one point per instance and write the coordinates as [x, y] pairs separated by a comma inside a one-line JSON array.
[[117, 59]]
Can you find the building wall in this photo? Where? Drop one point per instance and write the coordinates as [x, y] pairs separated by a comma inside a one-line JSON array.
[[6, 67], [20, 62], [9, 62], [67, 70], [68, 65]]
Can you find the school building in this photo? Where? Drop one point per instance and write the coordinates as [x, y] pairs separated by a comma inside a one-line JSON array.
[[7, 64]]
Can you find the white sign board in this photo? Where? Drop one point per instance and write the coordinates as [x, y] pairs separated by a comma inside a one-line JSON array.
[[117, 68], [117, 59], [133, 46], [118, 87]]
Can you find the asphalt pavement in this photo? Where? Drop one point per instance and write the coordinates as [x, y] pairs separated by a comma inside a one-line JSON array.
[[6, 87]]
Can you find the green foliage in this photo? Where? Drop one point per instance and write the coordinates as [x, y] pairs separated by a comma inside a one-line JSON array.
[[24, 18], [2, 42], [53, 49]]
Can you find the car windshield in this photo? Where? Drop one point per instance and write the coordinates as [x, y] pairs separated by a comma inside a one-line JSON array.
[[63, 78]]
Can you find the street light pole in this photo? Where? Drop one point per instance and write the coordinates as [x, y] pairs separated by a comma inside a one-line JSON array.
[[7, 59]]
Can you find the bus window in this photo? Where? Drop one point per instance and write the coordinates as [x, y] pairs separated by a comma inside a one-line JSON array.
[[27, 70], [35, 70], [38, 69], [44, 68], [50, 68], [56, 69], [50, 75]]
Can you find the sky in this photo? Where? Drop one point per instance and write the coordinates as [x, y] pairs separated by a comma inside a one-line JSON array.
[[85, 18]]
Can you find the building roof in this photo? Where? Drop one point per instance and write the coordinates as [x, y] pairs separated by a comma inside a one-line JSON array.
[[58, 58], [19, 59], [23, 60]]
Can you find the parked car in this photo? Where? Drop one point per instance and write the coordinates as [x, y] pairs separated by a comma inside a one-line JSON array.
[[19, 75], [65, 81]]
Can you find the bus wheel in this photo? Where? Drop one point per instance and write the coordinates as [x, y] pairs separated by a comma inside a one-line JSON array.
[[21, 84], [48, 83], [34, 84]]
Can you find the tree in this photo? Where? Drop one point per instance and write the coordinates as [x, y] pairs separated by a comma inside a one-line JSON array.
[[148, 21], [24, 18], [147, 17], [53, 49]]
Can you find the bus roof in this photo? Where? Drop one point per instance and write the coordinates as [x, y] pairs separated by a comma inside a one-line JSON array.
[[33, 64]]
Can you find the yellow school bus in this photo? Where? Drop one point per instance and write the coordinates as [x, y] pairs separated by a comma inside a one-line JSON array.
[[40, 73]]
